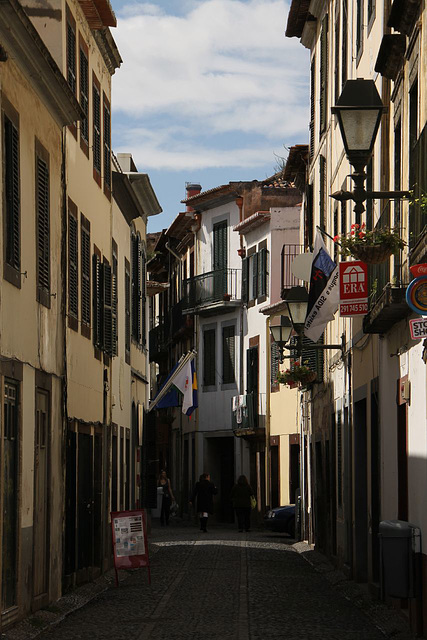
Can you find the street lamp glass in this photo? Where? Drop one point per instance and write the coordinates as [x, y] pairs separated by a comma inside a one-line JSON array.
[[297, 303], [358, 129], [281, 332]]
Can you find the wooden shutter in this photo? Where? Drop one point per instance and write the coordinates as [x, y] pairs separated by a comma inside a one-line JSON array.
[[263, 272], [322, 193], [274, 365], [96, 114], [359, 26], [107, 308], [314, 358], [127, 311], [323, 75], [312, 104], [220, 246], [228, 355], [254, 276], [85, 271], [143, 295], [73, 274], [245, 279], [97, 301], [43, 226], [209, 357], [344, 47], [114, 302], [309, 220], [12, 194], [84, 94], [107, 144], [71, 52], [136, 289]]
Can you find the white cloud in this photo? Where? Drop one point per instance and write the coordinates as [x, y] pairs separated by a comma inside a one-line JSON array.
[[221, 67]]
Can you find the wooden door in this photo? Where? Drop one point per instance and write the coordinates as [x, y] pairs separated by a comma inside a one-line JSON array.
[[41, 501]]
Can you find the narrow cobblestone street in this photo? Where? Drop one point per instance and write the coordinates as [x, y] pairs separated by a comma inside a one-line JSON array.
[[224, 585]]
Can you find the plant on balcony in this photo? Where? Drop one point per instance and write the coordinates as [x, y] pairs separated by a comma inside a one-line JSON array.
[[298, 374], [371, 247]]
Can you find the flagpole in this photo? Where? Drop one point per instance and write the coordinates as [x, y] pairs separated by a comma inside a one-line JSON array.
[[327, 234], [181, 364]]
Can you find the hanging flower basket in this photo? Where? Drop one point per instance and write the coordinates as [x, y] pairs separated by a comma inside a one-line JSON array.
[[372, 247], [299, 374]]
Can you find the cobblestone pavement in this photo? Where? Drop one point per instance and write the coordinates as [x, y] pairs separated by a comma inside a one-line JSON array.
[[224, 585]]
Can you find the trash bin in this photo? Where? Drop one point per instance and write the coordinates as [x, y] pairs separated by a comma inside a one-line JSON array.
[[400, 546]]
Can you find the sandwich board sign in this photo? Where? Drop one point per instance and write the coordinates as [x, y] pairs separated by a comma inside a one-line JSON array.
[[130, 547], [353, 288]]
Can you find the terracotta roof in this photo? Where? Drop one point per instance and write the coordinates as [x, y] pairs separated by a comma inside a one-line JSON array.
[[298, 14], [98, 13], [180, 226], [295, 168], [254, 221], [223, 189]]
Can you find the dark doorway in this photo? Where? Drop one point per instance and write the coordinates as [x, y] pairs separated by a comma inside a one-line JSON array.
[[294, 471], [402, 461], [375, 487], [275, 476], [41, 500], [252, 380], [70, 505], [360, 492]]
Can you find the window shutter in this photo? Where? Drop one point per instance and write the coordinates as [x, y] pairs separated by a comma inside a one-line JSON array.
[[274, 365], [43, 229], [85, 269], [254, 276], [107, 309], [143, 295], [344, 46], [228, 355], [84, 95], [323, 75], [107, 144], [97, 301], [136, 290], [114, 304], [127, 308], [73, 278], [209, 359], [96, 128], [309, 221], [245, 279], [314, 357], [12, 194], [71, 56], [220, 246], [312, 104], [322, 185], [263, 272]]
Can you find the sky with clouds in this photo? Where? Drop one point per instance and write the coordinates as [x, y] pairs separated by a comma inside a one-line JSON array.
[[209, 91]]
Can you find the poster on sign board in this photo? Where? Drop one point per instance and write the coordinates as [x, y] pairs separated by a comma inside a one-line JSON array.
[[130, 540]]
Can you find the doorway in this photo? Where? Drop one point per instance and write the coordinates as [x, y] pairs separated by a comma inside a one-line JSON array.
[[41, 500]]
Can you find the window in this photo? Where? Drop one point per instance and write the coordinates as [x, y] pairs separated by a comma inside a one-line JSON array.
[[71, 52], [102, 304], [337, 52], [97, 300], [369, 201], [253, 276], [344, 48], [371, 12], [96, 112], [312, 104], [42, 225], [114, 301], [84, 95], [309, 220], [209, 359], [245, 279], [263, 273], [274, 365], [73, 272], [228, 355], [323, 75], [220, 246], [359, 28], [12, 239], [143, 295], [343, 207], [127, 311], [136, 289], [322, 191], [107, 146], [85, 275]]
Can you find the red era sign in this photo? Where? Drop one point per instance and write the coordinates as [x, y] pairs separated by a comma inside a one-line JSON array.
[[353, 288]]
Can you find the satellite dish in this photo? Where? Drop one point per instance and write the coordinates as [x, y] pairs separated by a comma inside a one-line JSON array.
[[301, 266]]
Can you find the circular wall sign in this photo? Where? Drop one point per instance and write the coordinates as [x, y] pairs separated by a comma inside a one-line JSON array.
[[416, 295]]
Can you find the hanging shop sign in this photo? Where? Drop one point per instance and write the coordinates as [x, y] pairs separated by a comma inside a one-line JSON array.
[[416, 295], [418, 327], [418, 270], [353, 288], [130, 547]]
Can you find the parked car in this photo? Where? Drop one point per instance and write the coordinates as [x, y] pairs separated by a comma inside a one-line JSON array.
[[281, 520]]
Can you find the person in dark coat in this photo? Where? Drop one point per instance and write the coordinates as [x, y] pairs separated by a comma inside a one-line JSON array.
[[203, 492], [241, 498], [167, 497]]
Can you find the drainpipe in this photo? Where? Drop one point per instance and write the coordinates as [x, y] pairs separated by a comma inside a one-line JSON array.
[[239, 203], [268, 414]]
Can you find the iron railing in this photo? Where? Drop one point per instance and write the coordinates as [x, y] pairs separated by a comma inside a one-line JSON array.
[[222, 285], [289, 252]]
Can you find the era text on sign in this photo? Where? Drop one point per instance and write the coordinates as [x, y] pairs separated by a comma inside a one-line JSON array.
[[353, 288]]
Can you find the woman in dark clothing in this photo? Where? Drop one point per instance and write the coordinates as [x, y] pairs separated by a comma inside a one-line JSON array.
[[167, 497], [241, 498], [204, 491]]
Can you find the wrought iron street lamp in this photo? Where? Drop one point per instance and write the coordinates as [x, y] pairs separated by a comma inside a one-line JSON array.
[[359, 110], [281, 334]]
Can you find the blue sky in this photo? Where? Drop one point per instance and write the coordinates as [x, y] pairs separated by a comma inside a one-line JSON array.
[[209, 91]]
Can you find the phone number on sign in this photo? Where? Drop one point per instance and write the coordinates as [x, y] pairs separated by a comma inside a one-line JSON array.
[[348, 309]]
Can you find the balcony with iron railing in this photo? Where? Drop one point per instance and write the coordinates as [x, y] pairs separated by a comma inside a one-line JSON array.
[[248, 415], [158, 339], [182, 323], [288, 255], [387, 283], [213, 293]]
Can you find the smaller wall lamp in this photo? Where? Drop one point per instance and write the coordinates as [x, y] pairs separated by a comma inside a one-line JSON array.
[[281, 334]]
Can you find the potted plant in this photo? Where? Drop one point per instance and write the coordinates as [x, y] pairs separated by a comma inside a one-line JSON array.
[[371, 247], [298, 374]]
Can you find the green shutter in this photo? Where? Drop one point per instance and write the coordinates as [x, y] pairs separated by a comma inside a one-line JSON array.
[[209, 359], [228, 355], [245, 279], [12, 194], [220, 246], [254, 276], [263, 273], [323, 75]]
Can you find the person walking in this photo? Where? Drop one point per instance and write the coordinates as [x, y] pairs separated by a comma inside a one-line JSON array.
[[241, 498], [167, 497], [203, 492]]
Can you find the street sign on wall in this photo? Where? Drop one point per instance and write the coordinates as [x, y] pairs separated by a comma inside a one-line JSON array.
[[353, 288], [418, 328]]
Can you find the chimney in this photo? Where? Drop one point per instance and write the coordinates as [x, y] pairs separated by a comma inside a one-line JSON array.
[[192, 189]]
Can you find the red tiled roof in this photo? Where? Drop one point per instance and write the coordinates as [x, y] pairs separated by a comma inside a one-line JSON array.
[[254, 221]]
